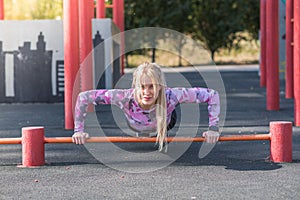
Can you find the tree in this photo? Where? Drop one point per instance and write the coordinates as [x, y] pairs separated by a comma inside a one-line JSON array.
[[177, 15], [251, 18], [171, 14], [18, 9], [33, 9], [45, 9], [218, 23]]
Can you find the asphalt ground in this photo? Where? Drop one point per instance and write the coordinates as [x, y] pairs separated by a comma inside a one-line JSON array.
[[231, 170]]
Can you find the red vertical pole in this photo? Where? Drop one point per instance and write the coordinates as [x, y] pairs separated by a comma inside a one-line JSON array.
[[118, 14], [281, 141], [100, 9], [272, 54], [1, 9], [86, 14], [262, 43], [297, 62], [71, 56], [289, 93], [118, 18]]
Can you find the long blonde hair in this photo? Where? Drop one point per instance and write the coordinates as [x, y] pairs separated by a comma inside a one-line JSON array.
[[157, 77]]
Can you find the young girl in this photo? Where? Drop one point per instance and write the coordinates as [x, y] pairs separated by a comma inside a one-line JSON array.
[[149, 106]]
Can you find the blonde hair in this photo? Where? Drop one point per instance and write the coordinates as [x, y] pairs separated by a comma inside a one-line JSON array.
[[153, 71]]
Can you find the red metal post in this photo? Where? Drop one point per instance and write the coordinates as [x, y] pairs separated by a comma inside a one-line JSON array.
[[272, 54], [86, 14], [33, 148], [281, 141], [71, 56], [289, 93], [118, 13], [100, 9], [118, 18], [297, 62], [1, 9], [263, 43]]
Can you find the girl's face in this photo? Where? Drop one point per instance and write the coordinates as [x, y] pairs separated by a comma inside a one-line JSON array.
[[148, 96]]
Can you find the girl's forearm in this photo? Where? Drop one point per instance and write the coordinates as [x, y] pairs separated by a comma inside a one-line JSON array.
[[80, 111]]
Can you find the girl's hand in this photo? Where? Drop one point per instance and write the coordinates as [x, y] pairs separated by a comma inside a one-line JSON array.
[[80, 137], [211, 136]]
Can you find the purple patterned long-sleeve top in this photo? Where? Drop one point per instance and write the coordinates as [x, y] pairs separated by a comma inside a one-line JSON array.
[[145, 120]]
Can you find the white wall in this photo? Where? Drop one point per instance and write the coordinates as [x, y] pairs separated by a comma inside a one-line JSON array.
[[14, 33]]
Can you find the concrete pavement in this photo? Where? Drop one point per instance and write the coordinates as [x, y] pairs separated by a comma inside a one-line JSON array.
[[232, 170]]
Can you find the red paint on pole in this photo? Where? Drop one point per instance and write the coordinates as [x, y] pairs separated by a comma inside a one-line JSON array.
[[118, 13], [289, 87], [297, 62], [33, 148], [71, 57], [100, 9], [262, 43], [281, 141], [1, 9], [272, 55], [118, 18], [86, 14]]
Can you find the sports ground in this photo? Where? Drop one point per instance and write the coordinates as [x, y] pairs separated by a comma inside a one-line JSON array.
[[231, 170]]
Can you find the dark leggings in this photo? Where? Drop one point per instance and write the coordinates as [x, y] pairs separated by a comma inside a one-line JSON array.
[[172, 121]]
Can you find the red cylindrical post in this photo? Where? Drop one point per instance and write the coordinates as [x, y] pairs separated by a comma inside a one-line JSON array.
[[272, 54], [86, 14], [71, 57], [289, 90], [262, 43], [100, 9], [118, 13], [281, 141], [297, 62], [1, 9], [118, 17], [33, 148]]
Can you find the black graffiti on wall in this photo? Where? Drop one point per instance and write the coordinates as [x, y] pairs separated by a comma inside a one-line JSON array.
[[99, 55], [99, 58], [32, 73], [33, 68]]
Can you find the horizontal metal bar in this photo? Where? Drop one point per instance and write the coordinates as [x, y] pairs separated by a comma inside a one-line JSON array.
[[141, 139], [153, 139], [10, 140]]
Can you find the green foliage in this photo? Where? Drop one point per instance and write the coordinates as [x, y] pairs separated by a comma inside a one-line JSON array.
[[33, 9], [217, 24], [18, 9], [168, 13], [251, 18], [45, 9], [220, 23], [172, 14]]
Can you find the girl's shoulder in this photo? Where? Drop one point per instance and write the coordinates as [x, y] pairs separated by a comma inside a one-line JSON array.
[[170, 93], [125, 93], [174, 90], [121, 91]]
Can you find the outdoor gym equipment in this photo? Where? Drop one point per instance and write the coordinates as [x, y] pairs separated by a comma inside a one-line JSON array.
[[33, 142]]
